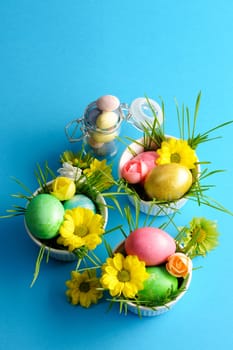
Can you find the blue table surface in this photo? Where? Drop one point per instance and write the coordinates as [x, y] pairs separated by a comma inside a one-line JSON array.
[[58, 56]]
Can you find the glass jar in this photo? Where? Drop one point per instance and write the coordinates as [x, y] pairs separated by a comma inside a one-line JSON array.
[[100, 129]]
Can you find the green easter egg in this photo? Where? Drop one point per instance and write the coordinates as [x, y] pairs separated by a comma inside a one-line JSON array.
[[44, 215], [159, 284]]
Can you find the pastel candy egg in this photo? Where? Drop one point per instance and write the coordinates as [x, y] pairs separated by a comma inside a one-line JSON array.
[[168, 182], [151, 245], [79, 200], [91, 141], [107, 120], [104, 137], [44, 215], [159, 285], [108, 103]]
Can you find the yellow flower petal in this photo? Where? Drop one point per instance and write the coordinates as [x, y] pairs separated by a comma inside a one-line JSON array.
[[177, 151], [118, 261], [81, 227], [63, 188], [83, 289], [123, 275]]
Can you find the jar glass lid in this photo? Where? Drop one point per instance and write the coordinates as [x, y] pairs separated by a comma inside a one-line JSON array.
[[141, 113]]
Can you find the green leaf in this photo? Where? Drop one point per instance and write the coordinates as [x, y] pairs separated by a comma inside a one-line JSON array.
[[26, 189], [38, 264], [198, 100], [108, 248]]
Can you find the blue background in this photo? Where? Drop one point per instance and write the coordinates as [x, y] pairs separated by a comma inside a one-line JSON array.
[[56, 57]]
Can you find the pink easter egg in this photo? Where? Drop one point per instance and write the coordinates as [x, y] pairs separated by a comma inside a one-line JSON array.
[[108, 103], [151, 245]]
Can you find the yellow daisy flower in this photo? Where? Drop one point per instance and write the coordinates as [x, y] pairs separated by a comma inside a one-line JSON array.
[[83, 288], [123, 275], [101, 173], [201, 237], [176, 151], [95, 166], [81, 227], [75, 159]]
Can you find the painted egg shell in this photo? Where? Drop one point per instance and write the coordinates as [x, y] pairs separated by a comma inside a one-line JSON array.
[[159, 285], [106, 120], [79, 200], [151, 245], [168, 182], [44, 215], [108, 103]]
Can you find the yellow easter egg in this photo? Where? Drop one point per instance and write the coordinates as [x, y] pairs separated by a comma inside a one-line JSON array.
[[168, 182], [103, 138], [106, 120], [94, 144]]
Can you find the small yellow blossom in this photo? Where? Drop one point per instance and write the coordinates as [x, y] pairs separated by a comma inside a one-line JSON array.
[[84, 288], [63, 188], [201, 237], [81, 227], [123, 275], [95, 166], [75, 159], [177, 151], [101, 172]]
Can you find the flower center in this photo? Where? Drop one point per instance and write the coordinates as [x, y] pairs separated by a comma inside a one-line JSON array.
[[123, 276], [81, 231], [201, 236], [175, 158], [84, 287]]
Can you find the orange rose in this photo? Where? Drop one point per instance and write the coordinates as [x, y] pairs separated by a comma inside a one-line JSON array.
[[179, 265]]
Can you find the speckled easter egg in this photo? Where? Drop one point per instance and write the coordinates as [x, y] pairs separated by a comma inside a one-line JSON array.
[[108, 103], [44, 215], [159, 285], [80, 200], [151, 245], [106, 120], [168, 182]]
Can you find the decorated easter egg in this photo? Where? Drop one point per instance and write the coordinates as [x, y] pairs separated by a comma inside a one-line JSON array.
[[158, 286], [151, 245], [168, 182], [79, 200], [106, 120], [44, 215], [108, 103]]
